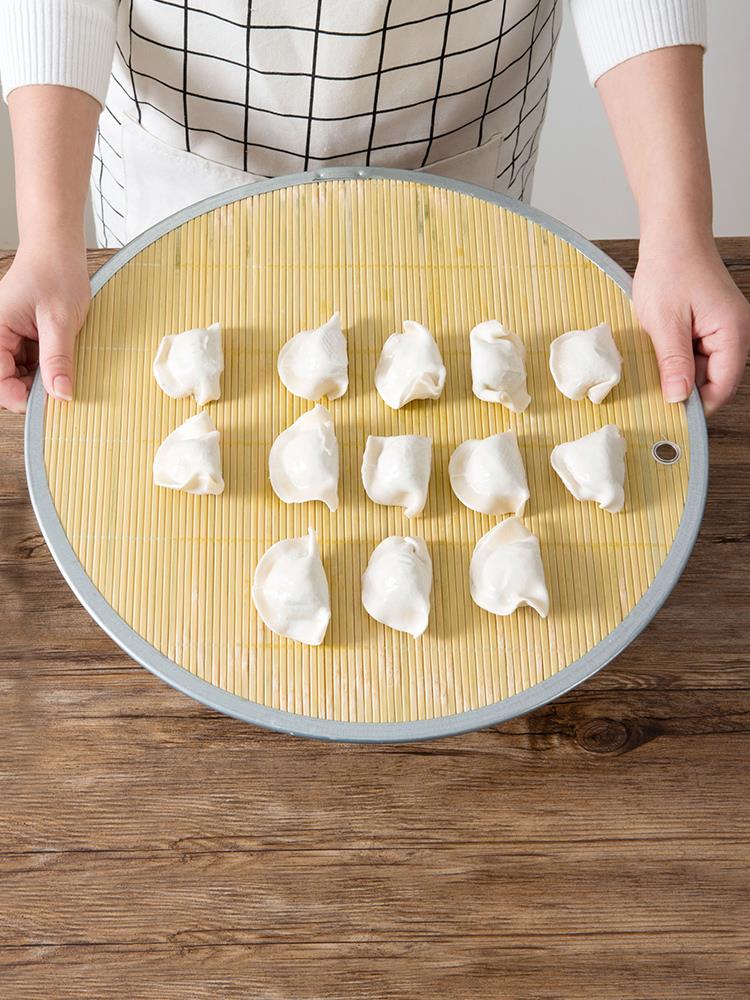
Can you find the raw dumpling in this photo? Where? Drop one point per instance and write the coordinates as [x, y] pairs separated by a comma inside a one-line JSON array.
[[498, 368], [191, 363], [290, 590], [593, 467], [314, 363], [396, 471], [489, 476], [410, 367], [396, 584], [188, 459], [586, 362], [304, 460], [506, 570]]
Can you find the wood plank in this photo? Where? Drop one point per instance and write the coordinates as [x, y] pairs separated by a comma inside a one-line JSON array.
[[628, 965]]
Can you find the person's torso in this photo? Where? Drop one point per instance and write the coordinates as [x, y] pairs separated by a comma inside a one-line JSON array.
[[205, 94]]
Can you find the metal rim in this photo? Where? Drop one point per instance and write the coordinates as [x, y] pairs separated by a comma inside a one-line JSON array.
[[363, 732]]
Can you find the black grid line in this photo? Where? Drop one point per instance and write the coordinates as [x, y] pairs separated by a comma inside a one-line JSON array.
[[186, 50], [441, 65], [111, 148], [101, 196], [103, 166], [246, 124], [526, 90], [492, 75], [378, 78], [316, 37], [130, 62]]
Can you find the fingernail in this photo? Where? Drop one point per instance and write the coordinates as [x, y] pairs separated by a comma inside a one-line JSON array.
[[63, 387], [676, 390]]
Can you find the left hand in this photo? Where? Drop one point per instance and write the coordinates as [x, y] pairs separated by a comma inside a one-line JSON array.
[[697, 318]]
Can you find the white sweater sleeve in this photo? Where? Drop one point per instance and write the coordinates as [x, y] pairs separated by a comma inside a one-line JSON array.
[[65, 42], [611, 31]]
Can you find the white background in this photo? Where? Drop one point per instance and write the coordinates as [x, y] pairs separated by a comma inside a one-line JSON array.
[[579, 178]]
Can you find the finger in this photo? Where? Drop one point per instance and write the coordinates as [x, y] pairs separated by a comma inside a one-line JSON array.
[[56, 343], [13, 391], [724, 370], [701, 373], [30, 353], [673, 343]]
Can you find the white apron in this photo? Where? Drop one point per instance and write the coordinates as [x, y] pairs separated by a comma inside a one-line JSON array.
[[206, 96]]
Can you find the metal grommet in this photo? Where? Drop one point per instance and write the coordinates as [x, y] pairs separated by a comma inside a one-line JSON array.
[[666, 452]]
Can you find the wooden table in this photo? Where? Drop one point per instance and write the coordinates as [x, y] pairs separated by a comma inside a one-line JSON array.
[[599, 848]]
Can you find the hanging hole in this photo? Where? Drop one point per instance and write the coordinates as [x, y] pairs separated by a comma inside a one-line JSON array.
[[666, 452]]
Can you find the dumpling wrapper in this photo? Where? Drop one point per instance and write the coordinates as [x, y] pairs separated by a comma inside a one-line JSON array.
[[290, 590], [489, 475], [189, 459], [396, 584], [498, 366], [593, 467], [586, 362], [304, 460], [410, 367], [191, 363], [506, 570], [314, 363], [396, 471]]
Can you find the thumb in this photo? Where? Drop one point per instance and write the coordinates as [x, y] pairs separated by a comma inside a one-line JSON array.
[[56, 345], [673, 343]]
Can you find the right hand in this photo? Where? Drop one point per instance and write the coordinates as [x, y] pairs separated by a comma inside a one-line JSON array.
[[44, 299]]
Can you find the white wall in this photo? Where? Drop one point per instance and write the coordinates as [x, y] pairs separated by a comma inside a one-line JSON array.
[[579, 178], [8, 228]]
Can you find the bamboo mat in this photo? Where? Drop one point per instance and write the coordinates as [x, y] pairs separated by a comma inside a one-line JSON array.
[[178, 568]]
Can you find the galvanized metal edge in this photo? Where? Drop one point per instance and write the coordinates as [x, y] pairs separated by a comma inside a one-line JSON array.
[[327, 729]]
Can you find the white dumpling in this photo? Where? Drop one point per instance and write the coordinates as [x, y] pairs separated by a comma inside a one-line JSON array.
[[189, 459], [586, 362], [593, 467], [290, 590], [396, 471], [506, 570], [314, 363], [396, 584], [191, 363], [410, 367], [304, 460], [488, 475], [498, 366]]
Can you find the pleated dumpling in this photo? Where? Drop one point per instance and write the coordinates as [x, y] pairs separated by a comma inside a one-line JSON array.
[[396, 584], [498, 366], [586, 362], [304, 460], [314, 363], [290, 590], [191, 363], [593, 467], [410, 367], [488, 475], [396, 471], [506, 570], [188, 459]]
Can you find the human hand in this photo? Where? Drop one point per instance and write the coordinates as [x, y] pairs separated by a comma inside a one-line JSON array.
[[697, 318], [44, 298]]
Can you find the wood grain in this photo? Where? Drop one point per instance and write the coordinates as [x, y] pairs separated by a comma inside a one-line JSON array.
[[597, 848]]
